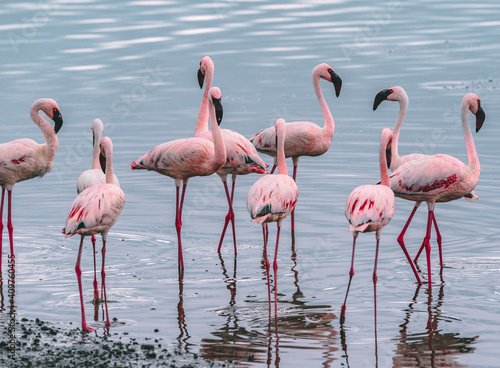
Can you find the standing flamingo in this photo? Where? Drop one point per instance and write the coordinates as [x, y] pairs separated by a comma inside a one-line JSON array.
[[95, 211], [370, 208], [92, 177], [441, 178], [271, 199], [25, 159], [241, 156], [182, 159], [303, 138], [397, 93]]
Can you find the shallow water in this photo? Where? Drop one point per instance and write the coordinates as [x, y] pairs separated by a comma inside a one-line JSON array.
[[134, 65]]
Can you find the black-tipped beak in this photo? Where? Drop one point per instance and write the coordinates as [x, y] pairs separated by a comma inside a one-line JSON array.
[[388, 156], [218, 109], [381, 96], [102, 161], [58, 120], [201, 78], [480, 116], [337, 82]]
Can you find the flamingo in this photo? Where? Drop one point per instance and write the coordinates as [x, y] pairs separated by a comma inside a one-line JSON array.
[[271, 199], [303, 138], [95, 211], [24, 159], [370, 208], [241, 156], [441, 178], [398, 93], [92, 177], [182, 159]]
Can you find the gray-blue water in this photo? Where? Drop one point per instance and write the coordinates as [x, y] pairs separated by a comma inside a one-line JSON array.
[[133, 65]]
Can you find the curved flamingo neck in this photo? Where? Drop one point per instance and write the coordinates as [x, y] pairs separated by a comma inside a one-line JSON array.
[[329, 126], [51, 141], [280, 154], [109, 167], [203, 113], [95, 153], [403, 108], [469, 140], [219, 148]]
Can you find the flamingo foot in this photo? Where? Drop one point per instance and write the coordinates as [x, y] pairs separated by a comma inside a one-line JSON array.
[[87, 328]]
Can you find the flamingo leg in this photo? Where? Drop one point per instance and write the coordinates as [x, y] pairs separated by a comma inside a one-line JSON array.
[[96, 291], [402, 243], [103, 285], [79, 276], [1, 227], [427, 245], [438, 239], [351, 274], [229, 216], [375, 278], [267, 264], [10, 228], [178, 221], [274, 167], [294, 177], [275, 268]]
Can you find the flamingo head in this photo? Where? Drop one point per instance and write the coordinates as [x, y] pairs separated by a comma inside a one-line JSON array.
[[215, 96], [57, 118], [382, 96], [105, 146], [205, 64], [335, 79], [386, 142], [97, 129], [480, 116]]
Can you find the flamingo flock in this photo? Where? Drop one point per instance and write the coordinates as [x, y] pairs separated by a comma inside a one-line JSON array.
[[214, 150]]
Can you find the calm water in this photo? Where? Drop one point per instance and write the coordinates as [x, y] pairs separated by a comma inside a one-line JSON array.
[[134, 65]]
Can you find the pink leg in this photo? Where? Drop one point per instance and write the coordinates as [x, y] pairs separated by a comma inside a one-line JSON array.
[[1, 227], [79, 276], [351, 274], [375, 284], [229, 216], [103, 285], [267, 266], [10, 227], [438, 238], [274, 168], [96, 291], [402, 243], [178, 223], [275, 268], [293, 211], [427, 245]]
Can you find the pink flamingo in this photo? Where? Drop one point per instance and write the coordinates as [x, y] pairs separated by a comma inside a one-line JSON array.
[[370, 208], [92, 177], [397, 93], [25, 159], [182, 159], [241, 156], [95, 211], [441, 178], [271, 199], [303, 138]]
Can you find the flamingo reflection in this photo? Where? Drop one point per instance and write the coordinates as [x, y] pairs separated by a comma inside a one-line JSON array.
[[183, 338]]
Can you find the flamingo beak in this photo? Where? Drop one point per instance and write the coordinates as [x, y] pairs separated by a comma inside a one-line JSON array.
[[102, 161], [480, 116], [201, 78], [337, 82], [381, 96], [218, 109], [58, 120], [388, 156]]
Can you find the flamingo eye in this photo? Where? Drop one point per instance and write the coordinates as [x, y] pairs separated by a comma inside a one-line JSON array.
[[478, 101], [390, 91], [330, 70]]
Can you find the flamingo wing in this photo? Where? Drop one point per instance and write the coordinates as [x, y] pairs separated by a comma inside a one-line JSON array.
[[265, 141], [95, 210], [272, 196], [369, 204], [241, 155], [19, 160], [431, 175]]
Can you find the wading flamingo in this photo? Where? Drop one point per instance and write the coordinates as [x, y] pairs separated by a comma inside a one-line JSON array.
[[92, 177], [441, 178], [241, 155], [25, 159], [271, 199], [370, 208], [182, 159], [95, 211], [398, 93], [303, 138]]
